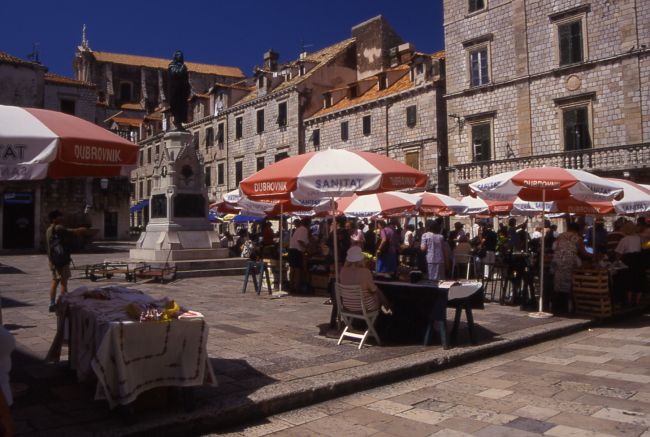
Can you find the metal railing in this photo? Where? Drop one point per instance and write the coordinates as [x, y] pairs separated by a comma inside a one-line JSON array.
[[626, 157]]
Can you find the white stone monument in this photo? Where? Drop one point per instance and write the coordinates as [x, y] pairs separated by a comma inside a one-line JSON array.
[[178, 226]]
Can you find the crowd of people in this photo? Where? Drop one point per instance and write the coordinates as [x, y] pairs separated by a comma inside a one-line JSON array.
[[433, 248]]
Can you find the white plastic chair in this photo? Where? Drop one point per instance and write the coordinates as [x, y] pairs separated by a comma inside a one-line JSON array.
[[353, 304], [466, 260]]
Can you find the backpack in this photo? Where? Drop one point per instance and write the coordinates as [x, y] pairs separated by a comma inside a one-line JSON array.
[[59, 255]]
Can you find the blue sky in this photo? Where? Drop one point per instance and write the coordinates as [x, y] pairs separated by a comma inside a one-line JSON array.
[[213, 32]]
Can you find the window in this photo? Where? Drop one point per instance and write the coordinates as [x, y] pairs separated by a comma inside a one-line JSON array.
[[411, 115], [195, 140], [344, 131], [260, 121], [476, 5], [260, 82], [260, 163], [239, 127], [353, 92], [412, 159], [148, 187], [315, 137], [209, 137], [125, 91], [141, 157], [282, 114], [220, 175], [570, 40], [239, 172], [280, 156], [141, 189], [220, 135], [366, 125], [419, 68], [478, 66], [67, 106], [575, 123], [327, 100], [382, 81], [481, 142], [157, 148], [208, 176], [148, 155]]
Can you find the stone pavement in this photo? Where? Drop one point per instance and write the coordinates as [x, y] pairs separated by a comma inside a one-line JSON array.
[[269, 355], [594, 383]]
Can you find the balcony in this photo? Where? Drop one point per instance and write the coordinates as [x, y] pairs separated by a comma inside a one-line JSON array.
[[602, 160]]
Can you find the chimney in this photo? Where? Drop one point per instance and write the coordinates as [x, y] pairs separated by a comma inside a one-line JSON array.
[[271, 60], [374, 38]]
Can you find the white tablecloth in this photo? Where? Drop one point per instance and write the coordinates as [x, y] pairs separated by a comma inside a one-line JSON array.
[[130, 357]]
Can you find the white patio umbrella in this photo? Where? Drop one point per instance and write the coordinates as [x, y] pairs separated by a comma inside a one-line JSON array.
[[440, 204], [378, 204], [636, 198], [546, 184]]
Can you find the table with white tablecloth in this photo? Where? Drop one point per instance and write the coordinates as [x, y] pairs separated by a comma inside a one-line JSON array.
[[129, 357]]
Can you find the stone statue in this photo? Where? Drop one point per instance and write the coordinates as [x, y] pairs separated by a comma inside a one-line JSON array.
[[179, 89]]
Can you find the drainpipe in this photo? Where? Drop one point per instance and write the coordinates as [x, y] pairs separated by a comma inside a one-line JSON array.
[[387, 140]]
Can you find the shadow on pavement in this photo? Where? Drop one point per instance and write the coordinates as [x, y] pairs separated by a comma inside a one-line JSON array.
[[12, 303], [4, 268]]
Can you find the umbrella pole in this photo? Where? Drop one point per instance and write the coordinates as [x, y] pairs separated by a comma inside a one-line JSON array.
[[541, 314], [335, 243], [280, 292]]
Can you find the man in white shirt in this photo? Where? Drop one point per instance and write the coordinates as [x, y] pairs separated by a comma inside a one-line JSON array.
[[297, 247]]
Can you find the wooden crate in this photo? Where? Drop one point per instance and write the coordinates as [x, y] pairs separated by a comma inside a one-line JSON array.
[[591, 293]]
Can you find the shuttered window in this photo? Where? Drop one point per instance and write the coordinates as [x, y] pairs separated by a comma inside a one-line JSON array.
[[479, 67], [481, 142], [576, 128]]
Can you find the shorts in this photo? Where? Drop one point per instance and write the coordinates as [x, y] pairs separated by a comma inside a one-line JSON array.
[[60, 273]]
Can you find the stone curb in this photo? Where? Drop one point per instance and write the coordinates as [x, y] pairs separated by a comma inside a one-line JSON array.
[[282, 396]]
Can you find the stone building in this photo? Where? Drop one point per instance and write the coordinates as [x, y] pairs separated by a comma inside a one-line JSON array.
[[24, 206], [129, 87], [551, 82], [394, 107], [274, 114]]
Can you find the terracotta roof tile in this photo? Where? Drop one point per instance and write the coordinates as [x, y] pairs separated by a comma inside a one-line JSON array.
[[159, 63], [374, 93], [438, 55], [55, 78], [127, 121], [9, 59], [132, 106], [320, 57]]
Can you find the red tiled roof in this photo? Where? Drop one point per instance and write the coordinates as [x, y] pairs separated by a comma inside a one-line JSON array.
[[132, 106], [55, 78], [127, 121], [9, 59], [374, 93], [159, 63], [438, 55]]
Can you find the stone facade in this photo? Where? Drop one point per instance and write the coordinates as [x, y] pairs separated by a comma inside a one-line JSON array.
[[531, 88], [22, 82], [70, 96], [291, 97]]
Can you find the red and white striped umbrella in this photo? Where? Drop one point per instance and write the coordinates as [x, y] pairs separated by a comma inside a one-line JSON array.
[[331, 173], [440, 204], [477, 206], [562, 206], [37, 143], [236, 202], [636, 199], [390, 203], [546, 184]]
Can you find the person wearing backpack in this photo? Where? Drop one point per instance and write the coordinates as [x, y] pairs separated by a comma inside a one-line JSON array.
[[57, 239]]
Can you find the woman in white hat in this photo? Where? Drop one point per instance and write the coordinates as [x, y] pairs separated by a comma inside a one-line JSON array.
[[355, 272]]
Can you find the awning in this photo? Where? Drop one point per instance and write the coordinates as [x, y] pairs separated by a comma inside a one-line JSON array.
[[140, 205]]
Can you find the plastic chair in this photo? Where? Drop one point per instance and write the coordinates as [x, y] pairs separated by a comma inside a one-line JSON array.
[[354, 304], [467, 261]]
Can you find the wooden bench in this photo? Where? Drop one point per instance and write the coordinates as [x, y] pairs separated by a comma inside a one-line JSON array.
[[591, 293]]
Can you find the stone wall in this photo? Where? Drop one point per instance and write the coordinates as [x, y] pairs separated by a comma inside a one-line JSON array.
[[84, 97], [528, 87], [21, 85]]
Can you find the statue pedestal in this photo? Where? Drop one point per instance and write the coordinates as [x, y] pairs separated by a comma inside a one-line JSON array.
[[178, 228]]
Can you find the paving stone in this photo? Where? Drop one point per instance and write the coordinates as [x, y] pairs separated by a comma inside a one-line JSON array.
[[463, 424], [537, 413], [530, 425], [503, 431], [603, 425], [424, 416], [388, 407], [626, 416], [569, 431], [494, 393]]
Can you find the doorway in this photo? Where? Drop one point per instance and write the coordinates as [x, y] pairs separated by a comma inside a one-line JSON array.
[[18, 220], [110, 225]]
